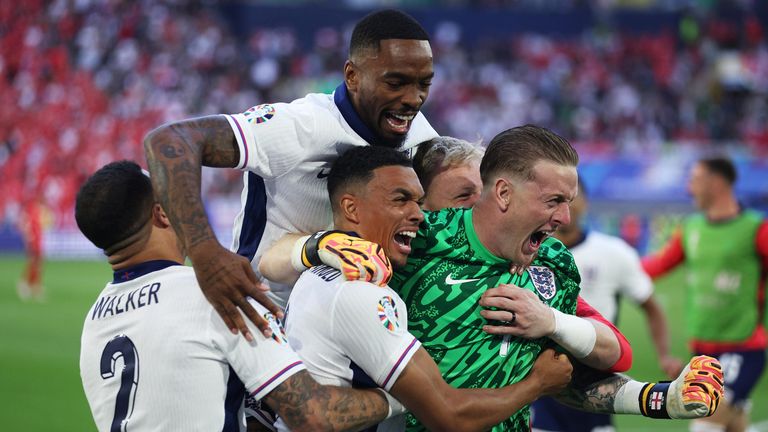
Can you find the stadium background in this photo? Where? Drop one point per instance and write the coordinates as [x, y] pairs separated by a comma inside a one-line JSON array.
[[642, 88]]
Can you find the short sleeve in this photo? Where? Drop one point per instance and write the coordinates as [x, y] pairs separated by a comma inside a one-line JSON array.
[[635, 282], [262, 364], [274, 138], [370, 325]]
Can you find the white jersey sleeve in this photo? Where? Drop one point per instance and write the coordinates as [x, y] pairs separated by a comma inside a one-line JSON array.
[[262, 364], [274, 138], [636, 284], [366, 323]]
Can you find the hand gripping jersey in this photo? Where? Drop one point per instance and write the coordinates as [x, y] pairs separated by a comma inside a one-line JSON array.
[[609, 268], [286, 150], [350, 334], [155, 356], [447, 272]]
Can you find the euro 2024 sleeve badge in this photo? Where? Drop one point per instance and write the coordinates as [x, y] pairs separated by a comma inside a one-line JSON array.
[[259, 113], [388, 315]]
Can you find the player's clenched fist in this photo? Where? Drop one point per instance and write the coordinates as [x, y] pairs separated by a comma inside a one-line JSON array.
[[695, 393], [702, 385], [553, 371], [357, 259]]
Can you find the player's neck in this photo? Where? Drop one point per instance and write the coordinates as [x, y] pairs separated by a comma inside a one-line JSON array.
[[723, 208], [156, 247], [485, 224]]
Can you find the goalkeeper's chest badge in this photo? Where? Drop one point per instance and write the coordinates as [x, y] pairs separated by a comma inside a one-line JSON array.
[[387, 310], [544, 281]]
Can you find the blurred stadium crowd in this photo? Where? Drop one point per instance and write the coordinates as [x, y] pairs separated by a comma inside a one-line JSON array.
[[84, 80]]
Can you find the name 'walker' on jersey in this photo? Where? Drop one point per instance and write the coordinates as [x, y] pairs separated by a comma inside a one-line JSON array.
[[155, 356]]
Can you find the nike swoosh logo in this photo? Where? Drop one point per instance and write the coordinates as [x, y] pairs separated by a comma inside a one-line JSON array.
[[451, 281], [322, 174]]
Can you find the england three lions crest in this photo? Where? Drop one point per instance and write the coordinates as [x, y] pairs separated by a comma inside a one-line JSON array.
[[544, 281]]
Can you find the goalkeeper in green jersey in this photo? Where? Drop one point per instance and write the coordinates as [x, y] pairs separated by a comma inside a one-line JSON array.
[[459, 254]]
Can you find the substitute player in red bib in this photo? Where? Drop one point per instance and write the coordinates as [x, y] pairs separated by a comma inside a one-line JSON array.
[[725, 250]]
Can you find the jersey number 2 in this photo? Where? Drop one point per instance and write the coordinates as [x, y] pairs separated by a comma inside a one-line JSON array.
[[121, 346]]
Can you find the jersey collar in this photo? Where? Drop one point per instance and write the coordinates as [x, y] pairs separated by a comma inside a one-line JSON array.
[[344, 104], [133, 272]]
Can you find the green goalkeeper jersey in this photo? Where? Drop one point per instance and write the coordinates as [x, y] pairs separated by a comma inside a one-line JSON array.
[[447, 272]]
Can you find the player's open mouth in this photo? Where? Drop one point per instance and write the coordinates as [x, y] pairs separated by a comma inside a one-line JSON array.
[[403, 241], [399, 123], [535, 239]]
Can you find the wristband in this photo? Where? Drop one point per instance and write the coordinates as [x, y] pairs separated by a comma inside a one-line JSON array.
[[395, 407], [626, 400], [577, 335], [297, 254], [310, 255], [305, 253], [646, 399], [653, 400]]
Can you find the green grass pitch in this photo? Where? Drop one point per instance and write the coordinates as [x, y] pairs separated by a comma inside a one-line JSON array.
[[39, 347]]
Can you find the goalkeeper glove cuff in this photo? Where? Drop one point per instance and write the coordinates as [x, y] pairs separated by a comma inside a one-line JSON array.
[[695, 393]]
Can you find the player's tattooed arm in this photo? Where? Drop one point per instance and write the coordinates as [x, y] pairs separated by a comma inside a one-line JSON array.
[[695, 393], [175, 154], [592, 390], [303, 404]]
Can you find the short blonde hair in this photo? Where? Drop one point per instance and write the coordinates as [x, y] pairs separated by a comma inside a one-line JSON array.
[[515, 151], [443, 152]]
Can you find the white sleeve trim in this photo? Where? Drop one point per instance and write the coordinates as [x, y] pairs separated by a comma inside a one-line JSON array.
[[242, 142], [278, 379], [400, 364]]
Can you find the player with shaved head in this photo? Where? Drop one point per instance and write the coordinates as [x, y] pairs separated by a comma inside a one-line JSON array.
[[285, 151]]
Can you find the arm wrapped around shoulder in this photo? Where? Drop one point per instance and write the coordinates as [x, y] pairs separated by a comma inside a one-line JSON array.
[[358, 259]]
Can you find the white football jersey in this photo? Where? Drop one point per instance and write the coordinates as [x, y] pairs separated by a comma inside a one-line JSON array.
[[610, 268], [155, 356], [287, 150], [349, 333]]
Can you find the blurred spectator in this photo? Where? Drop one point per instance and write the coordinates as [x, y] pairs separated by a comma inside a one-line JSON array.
[[30, 285]]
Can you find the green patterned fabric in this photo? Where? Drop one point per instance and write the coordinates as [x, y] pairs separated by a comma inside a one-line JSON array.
[[447, 272]]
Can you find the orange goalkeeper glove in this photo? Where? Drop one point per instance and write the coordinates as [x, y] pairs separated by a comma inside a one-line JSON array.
[[357, 259], [695, 393]]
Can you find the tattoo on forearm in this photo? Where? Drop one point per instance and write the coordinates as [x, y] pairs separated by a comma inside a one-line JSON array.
[[592, 390], [175, 154], [303, 404], [171, 152]]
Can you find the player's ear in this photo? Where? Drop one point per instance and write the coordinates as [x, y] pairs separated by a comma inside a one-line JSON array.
[[159, 218], [349, 209], [502, 192], [351, 77]]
